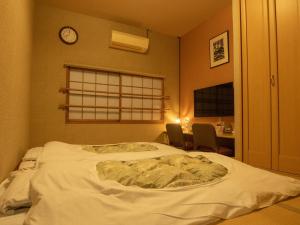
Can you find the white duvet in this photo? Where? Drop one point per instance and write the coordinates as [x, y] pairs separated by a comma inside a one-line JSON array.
[[67, 191]]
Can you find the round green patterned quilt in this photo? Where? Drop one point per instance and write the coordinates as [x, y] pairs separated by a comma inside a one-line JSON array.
[[117, 148], [162, 172]]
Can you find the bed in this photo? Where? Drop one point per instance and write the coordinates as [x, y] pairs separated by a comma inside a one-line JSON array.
[[66, 188]]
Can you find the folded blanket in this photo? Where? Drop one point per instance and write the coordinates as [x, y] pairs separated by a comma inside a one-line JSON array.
[[16, 196], [25, 165], [32, 154]]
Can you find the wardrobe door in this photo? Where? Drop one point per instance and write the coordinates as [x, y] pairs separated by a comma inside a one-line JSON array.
[[288, 62], [256, 83]]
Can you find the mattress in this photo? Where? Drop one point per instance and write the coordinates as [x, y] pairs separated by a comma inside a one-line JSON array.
[[68, 188]]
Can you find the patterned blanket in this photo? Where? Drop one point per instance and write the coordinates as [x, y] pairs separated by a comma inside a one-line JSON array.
[[128, 147], [162, 172]]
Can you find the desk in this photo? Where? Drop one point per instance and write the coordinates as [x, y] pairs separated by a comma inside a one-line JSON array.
[[223, 139], [220, 134]]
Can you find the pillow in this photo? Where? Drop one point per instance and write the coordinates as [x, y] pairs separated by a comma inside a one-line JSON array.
[[16, 196], [3, 186], [25, 165], [32, 154]]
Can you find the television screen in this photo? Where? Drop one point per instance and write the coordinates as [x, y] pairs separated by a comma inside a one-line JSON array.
[[214, 101]]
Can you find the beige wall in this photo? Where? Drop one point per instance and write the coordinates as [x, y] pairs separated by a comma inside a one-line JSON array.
[[15, 61], [47, 122], [195, 71]]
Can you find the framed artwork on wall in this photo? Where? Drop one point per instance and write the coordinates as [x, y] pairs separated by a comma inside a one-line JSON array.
[[219, 50]]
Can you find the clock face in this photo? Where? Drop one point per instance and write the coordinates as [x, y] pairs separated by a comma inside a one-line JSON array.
[[68, 35]]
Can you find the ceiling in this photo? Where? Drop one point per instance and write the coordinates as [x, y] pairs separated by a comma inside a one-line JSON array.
[[172, 17]]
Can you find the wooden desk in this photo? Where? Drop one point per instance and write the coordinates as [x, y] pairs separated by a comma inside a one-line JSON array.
[[224, 139], [219, 134]]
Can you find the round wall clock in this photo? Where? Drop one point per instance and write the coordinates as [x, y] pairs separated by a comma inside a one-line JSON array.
[[68, 35]]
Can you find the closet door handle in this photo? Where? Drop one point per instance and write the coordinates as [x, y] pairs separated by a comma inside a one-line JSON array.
[[273, 80]]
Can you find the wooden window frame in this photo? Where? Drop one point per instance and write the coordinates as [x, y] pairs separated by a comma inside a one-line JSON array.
[[120, 95]]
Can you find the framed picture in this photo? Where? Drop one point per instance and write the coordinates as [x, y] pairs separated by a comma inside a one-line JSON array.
[[219, 50]]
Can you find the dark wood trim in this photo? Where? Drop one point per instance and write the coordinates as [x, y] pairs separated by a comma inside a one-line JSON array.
[[67, 95], [112, 70], [120, 98], [114, 121]]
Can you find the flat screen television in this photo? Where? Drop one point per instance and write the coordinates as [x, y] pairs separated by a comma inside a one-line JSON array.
[[214, 101]]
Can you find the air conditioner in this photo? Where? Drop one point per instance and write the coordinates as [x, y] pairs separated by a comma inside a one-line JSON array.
[[129, 42]]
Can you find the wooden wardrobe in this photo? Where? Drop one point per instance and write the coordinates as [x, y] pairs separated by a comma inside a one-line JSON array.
[[271, 83]]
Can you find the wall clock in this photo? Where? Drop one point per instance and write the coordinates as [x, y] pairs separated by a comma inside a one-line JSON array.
[[68, 35]]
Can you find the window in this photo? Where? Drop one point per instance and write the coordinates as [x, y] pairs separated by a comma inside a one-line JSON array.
[[108, 96]]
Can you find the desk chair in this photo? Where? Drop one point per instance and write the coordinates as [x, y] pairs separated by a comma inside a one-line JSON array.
[[176, 137], [205, 139]]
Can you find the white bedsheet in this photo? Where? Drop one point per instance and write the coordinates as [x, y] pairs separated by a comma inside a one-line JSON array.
[[67, 191]]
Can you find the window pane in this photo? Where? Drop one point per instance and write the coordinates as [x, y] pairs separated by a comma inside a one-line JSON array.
[[126, 115], [89, 100], [126, 80], [75, 114], [147, 115], [157, 92], [113, 79], [102, 88], [101, 101], [126, 102], [89, 77], [77, 86], [126, 90], [147, 82], [147, 91], [137, 115], [88, 87], [101, 114], [101, 78], [75, 99], [137, 103], [147, 103], [157, 83], [76, 75], [157, 116], [113, 114], [88, 114], [137, 81], [157, 104]]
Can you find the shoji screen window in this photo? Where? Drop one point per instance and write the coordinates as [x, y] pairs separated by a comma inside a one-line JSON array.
[[95, 96], [142, 98]]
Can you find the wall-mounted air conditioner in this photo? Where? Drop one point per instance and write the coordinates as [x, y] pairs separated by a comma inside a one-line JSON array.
[[129, 42]]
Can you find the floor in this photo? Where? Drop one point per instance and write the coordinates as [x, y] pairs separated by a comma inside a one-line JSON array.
[[283, 213]]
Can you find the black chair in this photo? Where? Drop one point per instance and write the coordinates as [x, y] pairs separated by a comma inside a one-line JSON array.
[[176, 137], [205, 139]]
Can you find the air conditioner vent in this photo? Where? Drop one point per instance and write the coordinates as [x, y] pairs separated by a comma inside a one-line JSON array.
[[129, 42]]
